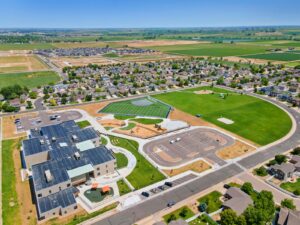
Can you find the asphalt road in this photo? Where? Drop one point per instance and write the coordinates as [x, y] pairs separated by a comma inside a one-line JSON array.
[[151, 206]]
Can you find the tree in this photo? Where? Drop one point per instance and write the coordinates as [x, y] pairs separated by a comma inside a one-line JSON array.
[[88, 98], [247, 188], [261, 171], [183, 212], [33, 95], [288, 203], [29, 105], [296, 151], [280, 158], [229, 217], [171, 218]]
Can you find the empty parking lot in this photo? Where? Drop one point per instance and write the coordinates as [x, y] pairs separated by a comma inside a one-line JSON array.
[[181, 148]]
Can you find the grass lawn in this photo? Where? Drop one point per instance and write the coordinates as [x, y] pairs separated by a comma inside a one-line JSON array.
[[8, 47], [212, 201], [83, 124], [111, 55], [103, 141], [10, 205], [178, 215], [147, 121], [275, 56], [144, 172], [233, 184], [123, 187], [203, 220], [122, 160], [29, 79], [212, 49], [254, 119], [128, 107], [123, 117], [129, 126], [291, 187]]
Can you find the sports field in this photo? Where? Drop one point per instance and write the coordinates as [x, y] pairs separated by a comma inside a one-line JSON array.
[[283, 56], [212, 49], [138, 107], [254, 119], [21, 63], [29, 79]]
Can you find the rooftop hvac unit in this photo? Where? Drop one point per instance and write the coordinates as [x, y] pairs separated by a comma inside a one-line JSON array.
[[48, 175], [53, 139], [74, 137], [42, 141], [77, 155]]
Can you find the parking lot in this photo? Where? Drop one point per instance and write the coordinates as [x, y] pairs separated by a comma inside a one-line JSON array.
[[45, 119], [180, 148]]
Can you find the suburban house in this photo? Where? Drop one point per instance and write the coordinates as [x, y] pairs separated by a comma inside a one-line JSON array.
[[282, 171], [288, 217], [60, 157], [237, 200]]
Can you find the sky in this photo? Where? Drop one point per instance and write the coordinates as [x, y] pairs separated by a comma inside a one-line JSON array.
[[147, 13]]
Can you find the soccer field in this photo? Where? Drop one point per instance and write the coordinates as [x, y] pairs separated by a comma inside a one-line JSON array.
[[138, 107], [254, 119]]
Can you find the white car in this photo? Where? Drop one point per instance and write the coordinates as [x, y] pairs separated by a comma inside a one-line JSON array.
[[172, 141], [178, 139]]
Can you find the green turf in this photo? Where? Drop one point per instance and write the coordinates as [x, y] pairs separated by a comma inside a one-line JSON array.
[[275, 56], [123, 187], [291, 187], [122, 160], [288, 44], [129, 126], [254, 119], [212, 200], [96, 195], [212, 49], [123, 117], [156, 109], [103, 141], [29, 79], [83, 124], [144, 173], [147, 121], [177, 212], [11, 214], [8, 47]]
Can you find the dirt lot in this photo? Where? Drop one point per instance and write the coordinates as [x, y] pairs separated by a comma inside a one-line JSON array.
[[112, 123], [142, 43], [149, 57], [234, 151], [21, 63], [254, 61], [142, 131], [81, 61], [203, 92], [10, 130], [198, 167]]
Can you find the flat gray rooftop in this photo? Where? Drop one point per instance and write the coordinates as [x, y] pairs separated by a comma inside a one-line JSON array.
[[196, 143]]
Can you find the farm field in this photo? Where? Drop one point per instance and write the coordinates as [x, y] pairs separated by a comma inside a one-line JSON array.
[[21, 63], [212, 49], [8, 47], [138, 107], [284, 56], [62, 62], [254, 119], [29, 79]]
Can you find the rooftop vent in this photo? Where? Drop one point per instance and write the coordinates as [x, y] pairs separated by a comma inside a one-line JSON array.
[[77, 155], [74, 137], [42, 141], [48, 175], [53, 139]]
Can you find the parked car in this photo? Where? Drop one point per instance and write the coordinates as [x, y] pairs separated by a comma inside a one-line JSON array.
[[171, 203], [168, 183], [146, 194]]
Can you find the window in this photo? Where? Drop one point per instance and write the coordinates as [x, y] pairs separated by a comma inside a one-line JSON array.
[[49, 191], [68, 185], [106, 171], [65, 212], [39, 195], [54, 213], [59, 188], [75, 207], [106, 165], [98, 174], [98, 168]]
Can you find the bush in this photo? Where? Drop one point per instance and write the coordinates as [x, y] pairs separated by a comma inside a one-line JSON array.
[[288, 203], [261, 171], [247, 188], [280, 159], [296, 192], [296, 151]]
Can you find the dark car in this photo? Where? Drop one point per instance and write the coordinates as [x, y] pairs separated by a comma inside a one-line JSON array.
[[146, 194], [170, 184], [171, 203], [226, 186]]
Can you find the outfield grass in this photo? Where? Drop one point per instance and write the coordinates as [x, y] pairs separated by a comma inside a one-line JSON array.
[[83, 124], [177, 214], [123, 187], [11, 213], [156, 109], [122, 160], [123, 117], [275, 56], [254, 119], [29, 79], [212, 200], [147, 121], [144, 173], [212, 49]]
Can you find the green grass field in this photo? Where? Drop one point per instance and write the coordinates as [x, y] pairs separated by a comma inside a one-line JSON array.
[[33, 46], [10, 203], [254, 119], [122, 160], [144, 172], [123, 187], [177, 213], [291, 187], [156, 109], [29, 79], [147, 121], [275, 56], [83, 124], [212, 200], [212, 49], [129, 126]]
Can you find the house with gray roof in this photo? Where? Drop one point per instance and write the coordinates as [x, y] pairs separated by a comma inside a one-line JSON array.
[[288, 217], [282, 171], [237, 200]]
